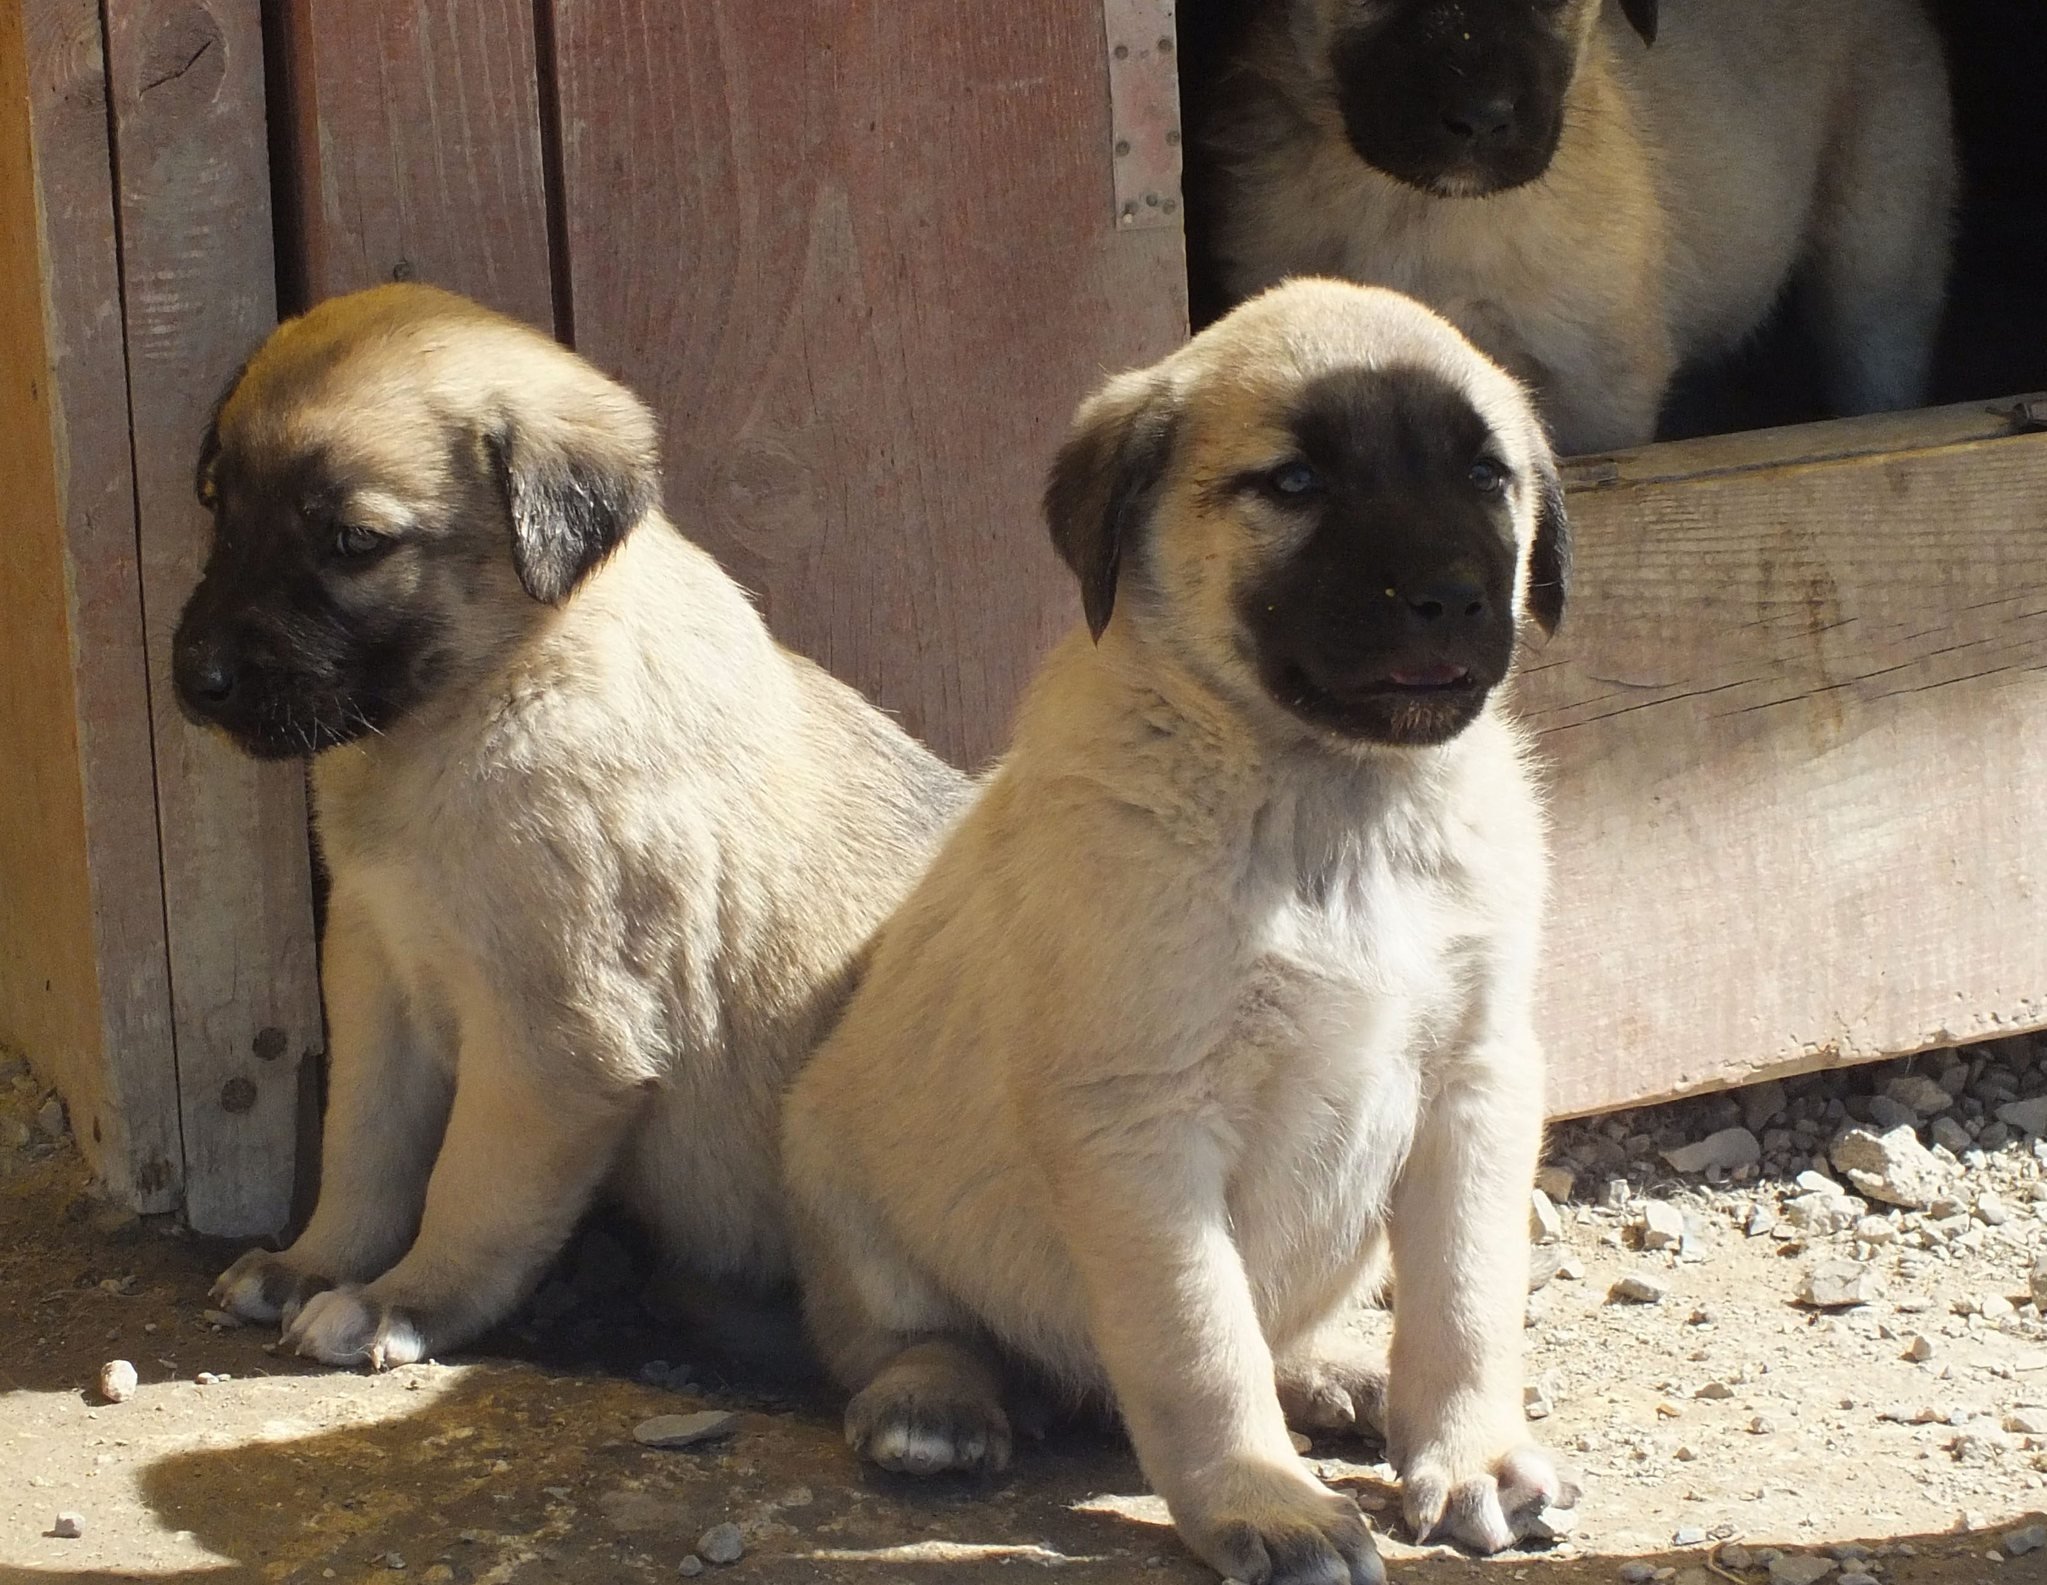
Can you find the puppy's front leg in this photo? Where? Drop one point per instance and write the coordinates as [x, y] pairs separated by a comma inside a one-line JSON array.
[[523, 1156], [1459, 1231], [387, 1102], [1173, 1320]]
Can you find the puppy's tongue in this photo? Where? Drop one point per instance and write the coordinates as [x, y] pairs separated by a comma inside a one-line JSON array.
[[1441, 675]]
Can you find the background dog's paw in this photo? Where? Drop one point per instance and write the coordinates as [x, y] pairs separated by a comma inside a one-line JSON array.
[[345, 1326], [926, 1427], [1282, 1528], [1335, 1389], [266, 1286], [1488, 1509]]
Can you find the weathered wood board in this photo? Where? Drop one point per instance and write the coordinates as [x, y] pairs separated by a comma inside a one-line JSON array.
[[1797, 730], [863, 261], [415, 134], [199, 275], [84, 985]]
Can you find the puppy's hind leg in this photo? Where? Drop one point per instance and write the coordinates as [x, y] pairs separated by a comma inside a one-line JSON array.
[[521, 1161], [927, 1394], [387, 1102], [1881, 236]]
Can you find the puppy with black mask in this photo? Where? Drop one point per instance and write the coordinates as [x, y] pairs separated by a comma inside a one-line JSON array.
[[1599, 193], [603, 854], [1219, 995]]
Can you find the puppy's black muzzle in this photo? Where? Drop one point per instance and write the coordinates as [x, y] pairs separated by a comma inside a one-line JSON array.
[[1455, 103], [1406, 659]]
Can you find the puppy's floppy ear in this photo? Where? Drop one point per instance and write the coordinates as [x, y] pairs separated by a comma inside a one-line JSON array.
[[1549, 556], [209, 443], [1641, 15], [574, 483], [1104, 482]]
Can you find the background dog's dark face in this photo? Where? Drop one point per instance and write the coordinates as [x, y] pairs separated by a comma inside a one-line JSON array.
[[1330, 504], [386, 520], [1460, 98]]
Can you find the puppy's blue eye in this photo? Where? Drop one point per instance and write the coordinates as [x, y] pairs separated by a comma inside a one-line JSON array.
[[1294, 478], [354, 541], [1488, 477]]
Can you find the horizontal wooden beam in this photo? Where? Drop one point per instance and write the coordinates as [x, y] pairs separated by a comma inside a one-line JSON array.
[[1796, 726]]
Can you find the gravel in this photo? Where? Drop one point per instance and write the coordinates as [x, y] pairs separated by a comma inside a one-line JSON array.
[[1795, 1569], [69, 1526], [1892, 1167], [117, 1381], [686, 1430], [1723, 1151], [2030, 1115], [1636, 1288], [1838, 1284], [1663, 1225], [2017, 1543], [722, 1543]]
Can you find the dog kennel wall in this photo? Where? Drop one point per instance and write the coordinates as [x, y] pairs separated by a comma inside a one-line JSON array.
[[863, 256]]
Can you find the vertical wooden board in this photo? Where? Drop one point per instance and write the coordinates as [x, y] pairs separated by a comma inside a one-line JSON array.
[[187, 84], [83, 980], [863, 259], [417, 130], [1797, 728]]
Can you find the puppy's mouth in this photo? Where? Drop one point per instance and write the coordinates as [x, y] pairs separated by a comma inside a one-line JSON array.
[[1441, 677], [1412, 706]]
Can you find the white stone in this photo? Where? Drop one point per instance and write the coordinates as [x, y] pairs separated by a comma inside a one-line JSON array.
[[1728, 1149], [1893, 1167]]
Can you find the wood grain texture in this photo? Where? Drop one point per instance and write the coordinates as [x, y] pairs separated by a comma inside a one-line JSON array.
[[83, 981], [1797, 725], [862, 258], [188, 113], [418, 151]]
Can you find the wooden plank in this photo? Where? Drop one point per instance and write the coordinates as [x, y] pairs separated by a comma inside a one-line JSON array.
[[1797, 720], [197, 266], [416, 132], [83, 981], [863, 259]]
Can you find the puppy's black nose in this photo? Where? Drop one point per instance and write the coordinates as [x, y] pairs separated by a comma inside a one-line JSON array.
[[1449, 601], [1486, 120], [205, 676]]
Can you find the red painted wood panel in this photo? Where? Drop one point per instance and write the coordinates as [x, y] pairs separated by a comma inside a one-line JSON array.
[[862, 257], [416, 148], [186, 81]]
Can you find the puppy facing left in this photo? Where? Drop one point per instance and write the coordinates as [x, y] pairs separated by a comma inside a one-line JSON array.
[[603, 854]]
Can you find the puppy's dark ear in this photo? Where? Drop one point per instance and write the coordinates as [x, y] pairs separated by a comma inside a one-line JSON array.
[[209, 443], [1641, 15], [1104, 483], [1549, 557], [573, 487]]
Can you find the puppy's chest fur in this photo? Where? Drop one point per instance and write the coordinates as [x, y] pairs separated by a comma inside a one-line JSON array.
[[1368, 944]]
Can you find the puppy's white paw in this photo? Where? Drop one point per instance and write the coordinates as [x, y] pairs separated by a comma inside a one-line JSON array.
[[1334, 1388], [926, 1426], [1270, 1525], [1484, 1504], [345, 1326], [266, 1286]]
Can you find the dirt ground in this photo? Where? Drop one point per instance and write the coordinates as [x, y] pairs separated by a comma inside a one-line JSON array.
[[1725, 1420]]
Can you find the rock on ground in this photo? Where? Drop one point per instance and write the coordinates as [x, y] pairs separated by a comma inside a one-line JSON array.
[[1725, 1150], [1892, 1167]]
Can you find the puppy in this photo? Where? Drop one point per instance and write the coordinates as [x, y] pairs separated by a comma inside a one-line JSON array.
[[1221, 989], [603, 855], [1593, 211]]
